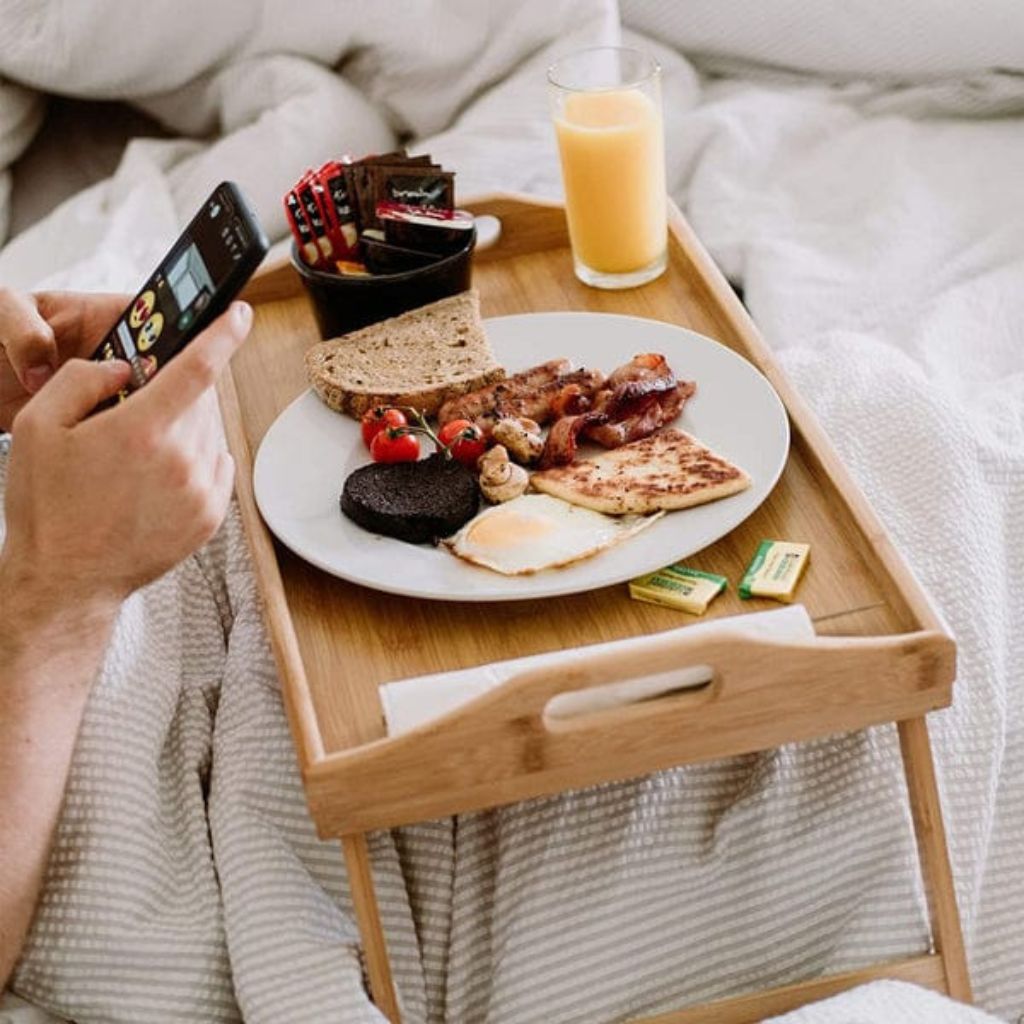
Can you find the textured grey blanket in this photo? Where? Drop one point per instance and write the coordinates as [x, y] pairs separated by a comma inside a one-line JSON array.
[[878, 243]]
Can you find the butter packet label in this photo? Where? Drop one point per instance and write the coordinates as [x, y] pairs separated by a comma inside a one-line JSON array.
[[775, 570], [676, 586]]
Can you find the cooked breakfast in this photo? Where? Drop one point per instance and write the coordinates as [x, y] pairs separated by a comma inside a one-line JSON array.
[[422, 359], [500, 478], [634, 401], [535, 532], [434, 365], [521, 436], [540, 394], [667, 470], [417, 501]]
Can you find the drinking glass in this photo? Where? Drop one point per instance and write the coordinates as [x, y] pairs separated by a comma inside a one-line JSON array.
[[606, 105]]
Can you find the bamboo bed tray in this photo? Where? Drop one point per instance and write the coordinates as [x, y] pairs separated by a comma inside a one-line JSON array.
[[881, 656]]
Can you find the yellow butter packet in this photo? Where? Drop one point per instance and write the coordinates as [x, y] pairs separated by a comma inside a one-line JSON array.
[[775, 570], [676, 586]]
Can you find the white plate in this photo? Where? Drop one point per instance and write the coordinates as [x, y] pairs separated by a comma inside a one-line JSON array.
[[309, 450]]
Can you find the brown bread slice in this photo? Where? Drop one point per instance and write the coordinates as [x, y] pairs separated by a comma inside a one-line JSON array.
[[668, 470], [421, 358]]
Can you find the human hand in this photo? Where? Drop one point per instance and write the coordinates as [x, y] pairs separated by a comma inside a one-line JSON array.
[[39, 333], [99, 505]]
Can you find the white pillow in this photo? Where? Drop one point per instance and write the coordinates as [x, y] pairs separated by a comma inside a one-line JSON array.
[[424, 62], [421, 62]]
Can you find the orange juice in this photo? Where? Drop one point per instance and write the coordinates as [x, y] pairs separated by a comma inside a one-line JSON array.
[[613, 166]]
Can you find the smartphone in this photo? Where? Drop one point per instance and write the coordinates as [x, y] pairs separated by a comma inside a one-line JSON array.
[[194, 283]]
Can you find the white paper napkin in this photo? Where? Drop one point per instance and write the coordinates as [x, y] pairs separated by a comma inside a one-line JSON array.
[[411, 702]]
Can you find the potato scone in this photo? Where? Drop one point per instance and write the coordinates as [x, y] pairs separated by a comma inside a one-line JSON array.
[[668, 470], [422, 358]]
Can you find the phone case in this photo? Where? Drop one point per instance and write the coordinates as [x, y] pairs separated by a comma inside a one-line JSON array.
[[234, 204]]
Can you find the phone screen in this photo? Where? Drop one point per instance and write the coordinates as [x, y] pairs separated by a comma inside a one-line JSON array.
[[201, 271]]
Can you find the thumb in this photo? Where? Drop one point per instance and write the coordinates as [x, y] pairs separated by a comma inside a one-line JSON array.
[[196, 368], [78, 387]]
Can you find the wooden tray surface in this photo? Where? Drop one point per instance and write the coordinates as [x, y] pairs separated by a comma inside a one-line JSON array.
[[336, 641]]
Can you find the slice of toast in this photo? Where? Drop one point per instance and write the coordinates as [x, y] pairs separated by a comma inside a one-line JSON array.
[[421, 358], [668, 470]]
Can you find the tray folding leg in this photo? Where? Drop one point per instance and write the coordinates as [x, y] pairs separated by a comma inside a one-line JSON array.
[[371, 931], [933, 853]]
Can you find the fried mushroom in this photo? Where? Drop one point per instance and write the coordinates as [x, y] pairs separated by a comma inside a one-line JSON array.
[[522, 438], [500, 479]]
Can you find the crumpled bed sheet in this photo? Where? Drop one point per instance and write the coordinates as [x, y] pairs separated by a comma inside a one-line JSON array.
[[877, 242]]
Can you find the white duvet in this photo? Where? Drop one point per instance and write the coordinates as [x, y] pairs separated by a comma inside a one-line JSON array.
[[875, 228]]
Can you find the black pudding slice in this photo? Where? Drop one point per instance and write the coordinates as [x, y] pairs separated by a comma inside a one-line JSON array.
[[413, 501]]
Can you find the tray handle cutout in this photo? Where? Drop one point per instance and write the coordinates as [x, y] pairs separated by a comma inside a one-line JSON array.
[[565, 709]]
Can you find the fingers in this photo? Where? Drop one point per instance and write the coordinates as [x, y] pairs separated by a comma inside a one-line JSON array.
[[213, 467], [199, 432], [80, 321], [195, 369], [223, 485], [216, 499], [210, 442], [75, 390], [27, 339], [201, 422]]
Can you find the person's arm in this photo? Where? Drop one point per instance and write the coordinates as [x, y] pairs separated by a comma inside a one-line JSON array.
[[96, 506], [49, 654]]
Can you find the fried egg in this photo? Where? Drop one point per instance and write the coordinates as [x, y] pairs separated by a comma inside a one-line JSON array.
[[536, 531]]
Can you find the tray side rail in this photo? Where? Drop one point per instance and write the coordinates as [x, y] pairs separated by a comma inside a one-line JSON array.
[[871, 538], [298, 700]]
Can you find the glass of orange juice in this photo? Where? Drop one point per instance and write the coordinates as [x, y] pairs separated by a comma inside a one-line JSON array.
[[606, 104]]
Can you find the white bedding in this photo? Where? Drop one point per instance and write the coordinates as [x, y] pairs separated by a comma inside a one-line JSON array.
[[877, 240]]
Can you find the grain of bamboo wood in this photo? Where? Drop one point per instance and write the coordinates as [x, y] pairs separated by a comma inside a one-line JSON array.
[[335, 642]]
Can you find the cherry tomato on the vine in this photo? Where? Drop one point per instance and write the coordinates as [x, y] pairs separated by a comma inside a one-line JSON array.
[[376, 419], [464, 439], [395, 444]]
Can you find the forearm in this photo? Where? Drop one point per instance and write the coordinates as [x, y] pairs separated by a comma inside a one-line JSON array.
[[80, 505], [49, 657]]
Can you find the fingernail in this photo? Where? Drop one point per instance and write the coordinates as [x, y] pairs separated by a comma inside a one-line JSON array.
[[241, 313], [37, 376]]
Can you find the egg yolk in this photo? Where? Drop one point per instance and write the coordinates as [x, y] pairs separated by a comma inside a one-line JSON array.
[[509, 529]]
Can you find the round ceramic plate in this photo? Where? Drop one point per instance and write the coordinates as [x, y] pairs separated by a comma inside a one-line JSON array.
[[309, 450]]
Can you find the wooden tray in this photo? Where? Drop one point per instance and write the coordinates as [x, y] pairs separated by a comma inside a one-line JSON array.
[[883, 656]]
